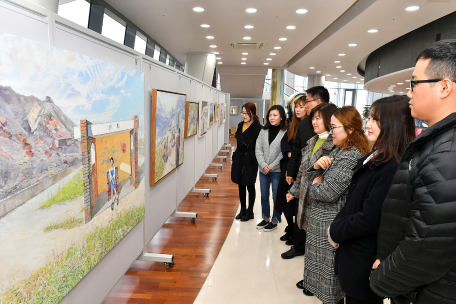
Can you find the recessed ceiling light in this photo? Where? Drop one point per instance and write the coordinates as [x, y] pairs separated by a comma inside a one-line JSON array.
[[338, 67], [198, 9], [268, 58], [245, 53], [243, 58], [362, 79], [213, 46], [400, 83], [242, 62], [312, 68], [328, 75], [372, 31], [249, 26], [412, 8], [318, 72], [342, 71], [357, 82], [337, 61], [216, 53], [407, 80], [335, 78], [218, 58], [266, 63], [291, 27], [277, 48], [283, 39], [209, 37], [205, 25], [220, 62], [348, 74], [301, 11], [345, 80], [272, 54], [355, 77], [401, 92], [352, 44], [341, 54], [247, 38], [251, 10]]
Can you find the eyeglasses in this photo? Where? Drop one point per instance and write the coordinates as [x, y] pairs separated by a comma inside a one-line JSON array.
[[331, 128], [415, 82], [307, 101], [244, 113]]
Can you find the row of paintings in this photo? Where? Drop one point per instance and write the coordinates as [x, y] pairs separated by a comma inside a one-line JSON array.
[[173, 119]]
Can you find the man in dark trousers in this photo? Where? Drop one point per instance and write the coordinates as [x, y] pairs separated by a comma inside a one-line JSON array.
[[315, 96], [417, 236]]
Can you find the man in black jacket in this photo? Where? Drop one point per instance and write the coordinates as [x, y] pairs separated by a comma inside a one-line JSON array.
[[417, 236], [315, 96]]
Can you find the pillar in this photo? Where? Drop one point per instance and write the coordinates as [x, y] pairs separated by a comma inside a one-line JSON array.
[[52, 5], [315, 80], [277, 86], [201, 66]]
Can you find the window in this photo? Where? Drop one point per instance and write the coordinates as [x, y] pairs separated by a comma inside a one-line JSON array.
[[140, 43], [157, 53], [167, 59], [113, 27], [76, 11]]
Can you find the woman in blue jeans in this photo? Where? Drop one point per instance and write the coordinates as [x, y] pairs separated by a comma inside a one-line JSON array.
[[268, 154]]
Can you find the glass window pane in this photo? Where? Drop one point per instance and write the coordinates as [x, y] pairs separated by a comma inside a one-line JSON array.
[[140, 45], [112, 28], [157, 53], [76, 11], [167, 59]]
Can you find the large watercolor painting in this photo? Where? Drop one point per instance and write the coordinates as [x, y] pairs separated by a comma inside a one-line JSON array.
[[204, 118], [167, 136], [191, 119], [71, 166]]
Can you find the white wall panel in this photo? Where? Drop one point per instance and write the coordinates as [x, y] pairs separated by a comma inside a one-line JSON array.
[[200, 142], [186, 171]]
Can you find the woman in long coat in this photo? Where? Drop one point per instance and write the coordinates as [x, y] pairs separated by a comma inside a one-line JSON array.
[[244, 167], [331, 177]]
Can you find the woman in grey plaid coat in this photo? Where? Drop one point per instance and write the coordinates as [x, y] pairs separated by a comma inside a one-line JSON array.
[[331, 177]]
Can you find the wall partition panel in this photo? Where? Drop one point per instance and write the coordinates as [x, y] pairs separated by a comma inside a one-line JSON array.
[[200, 142]]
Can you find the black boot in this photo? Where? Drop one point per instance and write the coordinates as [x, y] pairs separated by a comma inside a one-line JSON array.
[[288, 234], [241, 214], [247, 216]]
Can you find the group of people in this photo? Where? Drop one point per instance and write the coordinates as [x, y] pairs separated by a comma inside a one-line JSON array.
[[372, 208]]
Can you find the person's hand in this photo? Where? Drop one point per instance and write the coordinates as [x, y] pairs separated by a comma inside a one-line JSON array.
[[318, 179], [376, 263], [289, 197], [289, 179], [323, 163], [332, 244], [266, 169], [289, 154]]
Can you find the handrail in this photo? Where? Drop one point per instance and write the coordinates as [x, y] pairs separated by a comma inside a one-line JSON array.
[[291, 88]]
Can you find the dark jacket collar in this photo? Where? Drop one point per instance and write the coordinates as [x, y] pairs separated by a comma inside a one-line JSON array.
[[429, 134], [373, 164], [250, 132]]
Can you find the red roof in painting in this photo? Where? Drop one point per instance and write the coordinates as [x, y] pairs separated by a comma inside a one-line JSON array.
[[63, 133], [2, 120]]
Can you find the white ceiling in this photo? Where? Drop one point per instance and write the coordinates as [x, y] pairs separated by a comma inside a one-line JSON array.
[[174, 25]]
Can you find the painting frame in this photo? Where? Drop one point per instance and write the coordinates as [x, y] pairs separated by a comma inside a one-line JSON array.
[[211, 114], [217, 112], [234, 110], [153, 134], [187, 114], [204, 122]]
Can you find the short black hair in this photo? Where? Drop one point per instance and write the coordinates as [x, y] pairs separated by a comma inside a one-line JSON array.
[[319, 92], [442, 55], [283, 121]]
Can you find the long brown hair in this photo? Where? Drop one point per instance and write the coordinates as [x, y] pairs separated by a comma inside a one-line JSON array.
[[296, 120], [397, 127], [283, 117], [351, 120], [250, 108]]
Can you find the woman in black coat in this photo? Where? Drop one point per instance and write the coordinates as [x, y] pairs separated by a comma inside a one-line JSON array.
[[354, 230], [244, 167]]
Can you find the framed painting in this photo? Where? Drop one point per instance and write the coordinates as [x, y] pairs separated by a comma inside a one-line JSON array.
[[211, 114], [167, 134], [203, 118], [222, 113], [217, 112], [191, 119], [234, 110]]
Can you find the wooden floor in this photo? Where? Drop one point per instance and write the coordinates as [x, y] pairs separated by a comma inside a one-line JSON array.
[[195, 246]]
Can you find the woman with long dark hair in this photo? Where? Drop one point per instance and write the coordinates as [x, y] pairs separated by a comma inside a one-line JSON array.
[[331, 177], [268, 155], [244, 167], [286, 145], [354, 231]]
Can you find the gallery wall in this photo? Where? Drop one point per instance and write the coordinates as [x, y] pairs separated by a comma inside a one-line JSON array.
[[32, 22], [236, 119]]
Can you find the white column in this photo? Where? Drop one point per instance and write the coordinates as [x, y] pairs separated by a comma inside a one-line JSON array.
[[201, 66], [315, 80], [52, 5]]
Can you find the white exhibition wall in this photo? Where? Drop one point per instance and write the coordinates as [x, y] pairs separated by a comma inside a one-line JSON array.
[[27, 20]]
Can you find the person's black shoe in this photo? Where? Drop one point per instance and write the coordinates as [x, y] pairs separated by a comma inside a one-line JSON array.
[[300, 284], [262, 224], [293, 252], [270, 226], [307, 293], [247, 216], [289, 242], [241, 214]]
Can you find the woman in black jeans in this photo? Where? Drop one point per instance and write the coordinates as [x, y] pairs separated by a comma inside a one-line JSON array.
[[354, 230], [244, 167]]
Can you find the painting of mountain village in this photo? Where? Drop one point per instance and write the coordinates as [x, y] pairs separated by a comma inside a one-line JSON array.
[[71, 166], [168, 126]]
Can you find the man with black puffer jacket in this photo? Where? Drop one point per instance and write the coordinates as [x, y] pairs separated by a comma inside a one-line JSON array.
[[417, 236]]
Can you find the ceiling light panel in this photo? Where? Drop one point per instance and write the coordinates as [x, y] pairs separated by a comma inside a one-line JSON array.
[[338, 67], [412, 8], [277, 48], [198, 9], [341, 54], [283, 39], [337, 61], [243, 58], [242, 62], [251, 10], [272, 54], [205, 25], [245, 53], [266, 63], [372, 31], [352, 44], [213, 46], [301, 11], [291, 27], [247, 38], [249, 26], [268, 58], [209, 37]]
